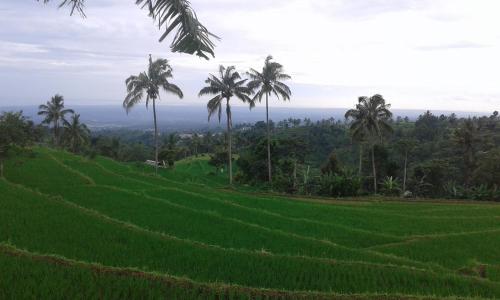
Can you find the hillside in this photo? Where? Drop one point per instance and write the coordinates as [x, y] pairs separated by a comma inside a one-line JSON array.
[[75, 227]]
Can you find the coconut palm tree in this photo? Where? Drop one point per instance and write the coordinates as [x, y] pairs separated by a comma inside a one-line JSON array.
[[54, 113], [150, 83], [370, 119], [75, 133], [191, 36], [268, 82], [228, 84]]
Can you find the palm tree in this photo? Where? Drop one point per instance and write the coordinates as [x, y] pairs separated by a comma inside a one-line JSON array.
[[370, 119], [191, 36], [54, 112], [224, 87], [75, 133], [150, 82], [268, 82]]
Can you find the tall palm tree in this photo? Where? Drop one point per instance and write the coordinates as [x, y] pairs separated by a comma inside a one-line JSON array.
[[268, 82], [370, 119], [191, 36], [228, 84], [150, 83], [54, 113], [75, 133]]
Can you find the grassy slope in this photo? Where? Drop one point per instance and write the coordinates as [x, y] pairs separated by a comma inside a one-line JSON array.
[[125, 203]]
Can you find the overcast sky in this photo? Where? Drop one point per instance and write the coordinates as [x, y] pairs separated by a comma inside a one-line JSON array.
[[423, 54]]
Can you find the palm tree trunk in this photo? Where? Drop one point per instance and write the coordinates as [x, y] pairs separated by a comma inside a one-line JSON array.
[[374, 169], [360, 159], [268, 141], [56, 133], [156, 137], [294, 173], [404, 175], [229, 146]]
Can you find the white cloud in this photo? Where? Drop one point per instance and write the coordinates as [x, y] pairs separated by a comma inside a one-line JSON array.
[[439, 54]]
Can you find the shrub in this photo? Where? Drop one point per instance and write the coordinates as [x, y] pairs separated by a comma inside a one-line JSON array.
[[390, 186], [335, 185]]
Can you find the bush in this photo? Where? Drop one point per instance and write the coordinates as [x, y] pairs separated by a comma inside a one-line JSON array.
[[453, 190], [390, 186], [334, 185], [482, 192]]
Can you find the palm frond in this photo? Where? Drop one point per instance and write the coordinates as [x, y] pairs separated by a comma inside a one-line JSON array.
[[174, 15], [67, 111], [283, 89], [147, 84], [191, 36], [75, 5], [215, 105], [268, 82], [174, 89], [208, 90]]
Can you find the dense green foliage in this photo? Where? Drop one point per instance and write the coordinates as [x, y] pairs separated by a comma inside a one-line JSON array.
[[435, 156], [16, 132]]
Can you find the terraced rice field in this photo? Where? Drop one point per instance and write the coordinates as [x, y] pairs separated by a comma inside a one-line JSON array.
[[74, 227]]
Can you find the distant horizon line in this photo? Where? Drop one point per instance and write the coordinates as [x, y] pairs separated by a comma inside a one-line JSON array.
[[20, 106]]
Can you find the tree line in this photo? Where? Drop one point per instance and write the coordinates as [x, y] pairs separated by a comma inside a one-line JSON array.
[[433, 156]]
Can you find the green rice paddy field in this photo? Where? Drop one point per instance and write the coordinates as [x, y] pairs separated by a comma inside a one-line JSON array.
[[71, 227]]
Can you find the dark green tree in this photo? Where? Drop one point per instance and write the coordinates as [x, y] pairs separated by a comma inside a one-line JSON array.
[[332, 165], [371, 119], [76, 134], [467, 137], [15, 130], [54, 112]]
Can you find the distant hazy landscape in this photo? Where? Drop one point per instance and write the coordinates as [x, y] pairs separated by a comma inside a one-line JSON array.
[[189, 118]]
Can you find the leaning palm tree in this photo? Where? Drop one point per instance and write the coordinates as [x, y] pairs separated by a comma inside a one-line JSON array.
[[191, 36], [268, 82], [224, 87], [149, 83], [54, 113], [370, 119], [75, 133]]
